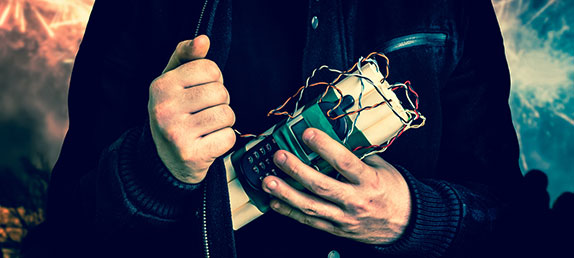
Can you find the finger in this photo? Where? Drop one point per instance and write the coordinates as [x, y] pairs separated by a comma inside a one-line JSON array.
[[195, 73], [306, 203], [376, 161], [337, 155], [291, 212], [217, 143], [211, 119], [315, 181], [188, 50], [195, 99]]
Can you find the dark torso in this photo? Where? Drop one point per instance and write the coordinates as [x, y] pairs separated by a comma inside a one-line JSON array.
[[263, 69]]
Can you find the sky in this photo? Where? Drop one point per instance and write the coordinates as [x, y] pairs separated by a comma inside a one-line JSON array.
[[539, 41], [39, 39]]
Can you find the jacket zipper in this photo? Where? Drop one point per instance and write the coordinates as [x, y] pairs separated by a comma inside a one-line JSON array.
[[412, 40], [204, 220], [204, 203], [200, 18]]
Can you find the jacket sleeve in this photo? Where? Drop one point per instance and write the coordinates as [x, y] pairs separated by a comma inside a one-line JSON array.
[[135, 189], [109, 185], [469, 209]]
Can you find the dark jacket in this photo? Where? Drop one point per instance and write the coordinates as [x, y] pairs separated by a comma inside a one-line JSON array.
[[109, 191]]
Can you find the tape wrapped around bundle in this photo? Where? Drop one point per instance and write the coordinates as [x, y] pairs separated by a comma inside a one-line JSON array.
[[378, 125], [381, 123]]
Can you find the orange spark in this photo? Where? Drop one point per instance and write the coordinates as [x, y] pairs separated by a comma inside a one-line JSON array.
[[57, 25], [5, 13], [43, 22]]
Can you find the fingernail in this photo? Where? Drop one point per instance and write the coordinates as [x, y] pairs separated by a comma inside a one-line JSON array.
[[308, 135], [280, 158], [192, 41], [275, 205], [271, 185]]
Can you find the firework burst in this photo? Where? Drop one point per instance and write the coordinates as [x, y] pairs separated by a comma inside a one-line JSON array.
[[49, 14], [538, 39], [38, 43], [56, 26], [541, 73]]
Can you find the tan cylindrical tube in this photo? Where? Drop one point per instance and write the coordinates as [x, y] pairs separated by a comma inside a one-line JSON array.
[[378, 125]]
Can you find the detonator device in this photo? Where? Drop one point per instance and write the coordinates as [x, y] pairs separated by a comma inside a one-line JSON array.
[[361, 109]]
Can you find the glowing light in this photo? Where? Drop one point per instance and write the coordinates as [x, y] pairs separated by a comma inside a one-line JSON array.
[[43, 22], [38, 43], [565, 117], [524, 101], [58, 25], [537, 14], [541, 73], [16, 13]]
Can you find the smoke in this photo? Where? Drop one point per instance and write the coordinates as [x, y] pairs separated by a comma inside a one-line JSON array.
[[539, 41], [39, 41]]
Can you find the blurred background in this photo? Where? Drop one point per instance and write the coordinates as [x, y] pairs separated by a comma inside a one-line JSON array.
[[39, 40]]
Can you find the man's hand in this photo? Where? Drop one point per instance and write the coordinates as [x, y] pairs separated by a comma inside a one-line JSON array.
[[189, 113], [371, 204]]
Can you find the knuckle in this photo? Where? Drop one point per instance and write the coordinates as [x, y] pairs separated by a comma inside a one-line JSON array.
[[284, 196], [156, 110], [337, 231], [210, 69], [295, 167], [307, 220], [157, 85], [320, 188], [348, 229], [160, 112], [152, 108], [227, 115], [346, 163], [359, 207], [219, 93], [173, 136], [229, 137], [351, 225], [310, 209]]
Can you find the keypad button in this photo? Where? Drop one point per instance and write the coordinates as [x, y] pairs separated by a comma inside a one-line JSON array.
[[256, 154], [262, 151], [268, 147], [256, 170], [261, 165], [250, 159], [268, 162]]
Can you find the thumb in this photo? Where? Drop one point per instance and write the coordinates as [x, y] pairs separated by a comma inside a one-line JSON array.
[[188, 50]]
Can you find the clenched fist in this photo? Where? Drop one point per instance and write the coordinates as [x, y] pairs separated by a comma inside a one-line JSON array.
[[189, 112]]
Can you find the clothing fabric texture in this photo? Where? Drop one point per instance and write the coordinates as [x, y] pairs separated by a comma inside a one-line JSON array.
[[110, 193]]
